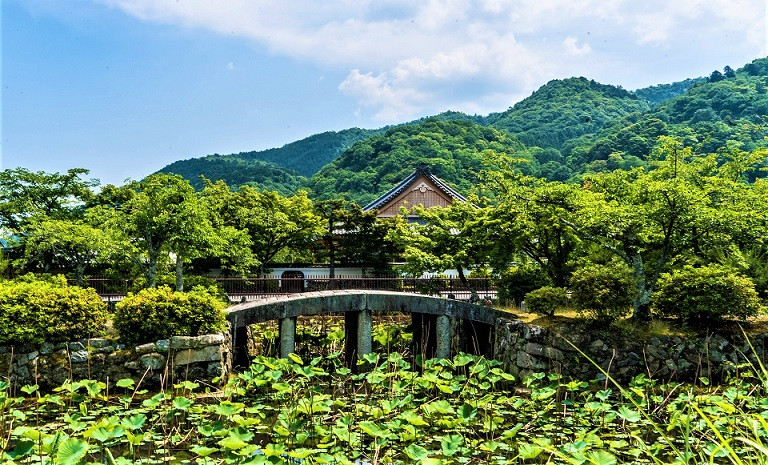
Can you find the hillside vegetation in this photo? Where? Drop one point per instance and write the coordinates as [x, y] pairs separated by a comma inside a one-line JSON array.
[[236, 172], [564, 109], [566, 129], [452, 149]]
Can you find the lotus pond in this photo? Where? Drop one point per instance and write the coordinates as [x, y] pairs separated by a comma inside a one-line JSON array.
[[464, 410]]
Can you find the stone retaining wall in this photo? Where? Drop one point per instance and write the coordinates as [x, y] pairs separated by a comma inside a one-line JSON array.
[[524, 349], [161, 363]]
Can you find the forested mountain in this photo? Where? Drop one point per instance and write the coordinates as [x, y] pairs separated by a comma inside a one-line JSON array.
[[566, 128], [658, 93], [452, 149], [280, 169], [565, 109], [237, 172], [308, 155], [723, 111]]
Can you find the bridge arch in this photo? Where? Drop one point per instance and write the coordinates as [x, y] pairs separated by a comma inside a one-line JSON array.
[[357, 306]]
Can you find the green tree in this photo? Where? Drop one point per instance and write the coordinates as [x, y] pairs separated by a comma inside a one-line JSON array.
[[336, 215], [25, 195], [161, 215], [68, 244], [273, 223], [650, 218], [525, 219], [445, 241]]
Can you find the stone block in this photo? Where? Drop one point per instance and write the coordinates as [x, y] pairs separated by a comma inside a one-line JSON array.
[[75, 346], [47, 348], [78, 356], [194, 342], [205, 354], [98, 342], [145, 348], [162, 345], [132, 365], [153, 361], [214, 370], [529, 362]]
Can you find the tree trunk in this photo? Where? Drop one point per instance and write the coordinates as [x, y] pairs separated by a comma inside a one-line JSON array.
[[474, 297], [151, 273], [80, 274], [641, 304], [331, 258], [179, 273]]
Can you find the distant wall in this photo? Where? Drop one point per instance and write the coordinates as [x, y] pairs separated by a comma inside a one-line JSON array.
[[161, 363], [524, 349]]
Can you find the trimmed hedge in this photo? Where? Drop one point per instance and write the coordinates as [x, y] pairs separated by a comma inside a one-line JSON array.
[[707, 293], [160, 313], [603, 292], [34, 310], [516, 282], [545, 300]]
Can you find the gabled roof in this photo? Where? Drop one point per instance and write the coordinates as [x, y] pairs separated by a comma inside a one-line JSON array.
[[421, 170]]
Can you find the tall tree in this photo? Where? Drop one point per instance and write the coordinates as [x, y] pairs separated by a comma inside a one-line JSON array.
[[25, 195], [272, 222], [445, 241], [161, 215], [68, 244], [525, 219]]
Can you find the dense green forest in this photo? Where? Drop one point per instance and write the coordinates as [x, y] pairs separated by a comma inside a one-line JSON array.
[[566, 129], [238, 172], [452, 149], [280, 169], [565, 109]]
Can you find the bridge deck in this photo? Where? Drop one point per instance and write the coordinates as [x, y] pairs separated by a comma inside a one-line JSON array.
[[342, 301]]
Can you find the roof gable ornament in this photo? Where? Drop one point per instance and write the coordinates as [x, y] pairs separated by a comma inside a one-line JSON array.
[[429, 183]]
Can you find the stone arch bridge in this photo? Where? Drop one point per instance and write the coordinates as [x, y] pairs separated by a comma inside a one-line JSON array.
[[439, 325]]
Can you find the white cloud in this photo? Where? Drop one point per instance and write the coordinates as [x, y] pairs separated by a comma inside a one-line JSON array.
[[571, 46], [405, 58]]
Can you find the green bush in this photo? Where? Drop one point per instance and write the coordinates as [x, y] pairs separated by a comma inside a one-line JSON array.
[[545, 300], [516, 282], [160, 313], [34, 310], [707, 293], [604, 292]]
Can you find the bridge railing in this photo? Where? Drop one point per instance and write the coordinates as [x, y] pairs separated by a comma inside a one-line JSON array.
[[250, 288]]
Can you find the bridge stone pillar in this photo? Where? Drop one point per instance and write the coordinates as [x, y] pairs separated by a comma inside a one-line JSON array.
[[443, 333], [364, 328], [357, 336], [287, 336]]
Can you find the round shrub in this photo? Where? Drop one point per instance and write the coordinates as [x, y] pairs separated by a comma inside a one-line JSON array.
[[603, 292], [34, 310], [545, 300], [160, 313], [516, 282], [706, 293]]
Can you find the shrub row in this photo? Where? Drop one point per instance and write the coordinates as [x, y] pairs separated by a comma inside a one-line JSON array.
[[35, 310], [692, 294]]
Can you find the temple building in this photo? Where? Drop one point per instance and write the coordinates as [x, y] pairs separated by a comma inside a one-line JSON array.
[[420, 188]]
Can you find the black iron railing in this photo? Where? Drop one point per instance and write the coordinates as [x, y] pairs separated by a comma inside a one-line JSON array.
[[238, 288]]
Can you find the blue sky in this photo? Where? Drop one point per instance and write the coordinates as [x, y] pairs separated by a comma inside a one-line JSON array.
[[124, 87]]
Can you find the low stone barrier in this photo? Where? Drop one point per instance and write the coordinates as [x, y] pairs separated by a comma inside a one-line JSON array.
[[525, 349], [162, 363]]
